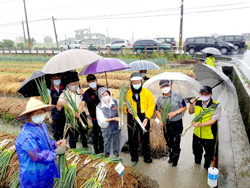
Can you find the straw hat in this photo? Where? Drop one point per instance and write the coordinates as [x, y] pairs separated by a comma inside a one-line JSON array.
[[34, 105]]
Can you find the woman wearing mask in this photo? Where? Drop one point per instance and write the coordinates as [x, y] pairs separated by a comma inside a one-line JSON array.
[[107, 113], [36, 152], [75, 93], [143, 103], [174, 125]]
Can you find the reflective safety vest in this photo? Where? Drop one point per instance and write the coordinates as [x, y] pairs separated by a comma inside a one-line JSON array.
[[207, 132], [210, 61]]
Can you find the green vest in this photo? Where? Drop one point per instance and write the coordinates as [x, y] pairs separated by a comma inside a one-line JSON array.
[[207, 132], [210, 61]]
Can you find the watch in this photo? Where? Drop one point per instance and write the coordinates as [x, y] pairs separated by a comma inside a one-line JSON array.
[[178, 112]]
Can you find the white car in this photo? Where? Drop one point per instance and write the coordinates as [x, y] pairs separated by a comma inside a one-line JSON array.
[[120, 43], [76, 44]]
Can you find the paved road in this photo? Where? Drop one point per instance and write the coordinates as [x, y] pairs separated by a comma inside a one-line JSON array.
[[242, 60]]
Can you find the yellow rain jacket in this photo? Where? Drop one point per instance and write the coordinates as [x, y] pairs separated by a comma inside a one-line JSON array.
[[210, 61], [146, 102], [205, 132]]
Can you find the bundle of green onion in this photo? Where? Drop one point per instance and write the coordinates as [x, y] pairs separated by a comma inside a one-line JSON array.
[[164, 113], [113, 159], [3, 144], [81, 151], [122, 98], [92, 157], [42, 89], [97, 180], [200, 117], [70, 180], [60, 182], [5, 159], [130, 106], [14, 180]]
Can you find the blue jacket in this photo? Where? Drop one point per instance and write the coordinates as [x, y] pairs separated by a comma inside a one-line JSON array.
[[36, 157]]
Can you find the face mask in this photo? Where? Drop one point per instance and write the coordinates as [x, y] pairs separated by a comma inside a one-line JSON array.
[[93, 85], [105, 99], [38, 119], [57, 82], [137, 86], [143, 75], [165, 90], [204, 98], [74, 88]]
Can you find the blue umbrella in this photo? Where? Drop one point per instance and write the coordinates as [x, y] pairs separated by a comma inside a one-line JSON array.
[[142, 65]]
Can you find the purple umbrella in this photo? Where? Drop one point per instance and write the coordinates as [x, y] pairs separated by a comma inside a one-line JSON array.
[[104, 65]]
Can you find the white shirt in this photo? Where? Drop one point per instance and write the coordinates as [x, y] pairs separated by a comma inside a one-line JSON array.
[[76, 98], [100, 116]]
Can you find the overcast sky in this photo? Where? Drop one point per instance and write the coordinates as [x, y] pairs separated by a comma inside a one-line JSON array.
[[156, 18]]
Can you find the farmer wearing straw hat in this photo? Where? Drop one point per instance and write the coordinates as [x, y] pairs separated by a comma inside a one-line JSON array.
[[205, 132], [143, 103], [174, 125], [36, 151], [75, 93]]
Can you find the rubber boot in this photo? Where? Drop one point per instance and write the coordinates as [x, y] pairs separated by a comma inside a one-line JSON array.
[[175, 160], [207, 164], [170, 160]]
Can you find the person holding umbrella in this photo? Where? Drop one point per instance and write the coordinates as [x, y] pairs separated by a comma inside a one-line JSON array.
[[90, 97], [143, 103], [36, 151], [205, 132], [174, 125], [58, 116], [75, 93], [143, 75], [210, 60]]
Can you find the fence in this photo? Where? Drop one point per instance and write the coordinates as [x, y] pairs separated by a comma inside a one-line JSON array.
[[107, 50]]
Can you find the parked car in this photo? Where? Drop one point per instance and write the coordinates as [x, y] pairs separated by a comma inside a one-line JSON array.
[[75, 44], [151, 45], [167, 40], [196, 44], [237, 40], [120, 43]]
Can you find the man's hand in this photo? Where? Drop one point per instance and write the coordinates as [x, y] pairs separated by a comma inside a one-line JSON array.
[[161, 124], [193, 102], [195, 124], [81, 91], [60, 143], [64, 102], [171, 115], [77, 114], [130, 111], [144, 123], [59, 108], [116, 119]]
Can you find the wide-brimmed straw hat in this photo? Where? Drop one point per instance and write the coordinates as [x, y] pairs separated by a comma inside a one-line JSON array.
[[34, 105]]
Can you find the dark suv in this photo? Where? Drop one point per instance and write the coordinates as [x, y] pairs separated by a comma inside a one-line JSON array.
[[196, 44], [167, 40], [151, 44], [237, 40]]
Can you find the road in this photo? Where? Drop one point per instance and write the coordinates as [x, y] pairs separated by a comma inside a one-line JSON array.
[[242, 60]]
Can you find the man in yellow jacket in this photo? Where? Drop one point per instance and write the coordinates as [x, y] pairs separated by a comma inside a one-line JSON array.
[[205, 132], [210, 60], [143, 103]]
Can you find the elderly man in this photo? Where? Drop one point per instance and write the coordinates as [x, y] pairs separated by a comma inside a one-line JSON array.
[[174, 125], [205, 132], [143, 103]]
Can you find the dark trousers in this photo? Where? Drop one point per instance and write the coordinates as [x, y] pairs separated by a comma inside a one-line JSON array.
[[74, 133], [198, 146], [97, 138], [58, 128], [133, 144]]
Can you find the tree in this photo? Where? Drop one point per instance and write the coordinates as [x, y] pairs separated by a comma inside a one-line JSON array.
[[32, 41], [6, 43], [21, 45], [48, 39]]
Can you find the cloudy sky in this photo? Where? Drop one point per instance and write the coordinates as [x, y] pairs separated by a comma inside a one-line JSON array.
[[146, 18]]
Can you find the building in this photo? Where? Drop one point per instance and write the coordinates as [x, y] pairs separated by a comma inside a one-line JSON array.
[[19, 39], [90, 38], [247, 36]]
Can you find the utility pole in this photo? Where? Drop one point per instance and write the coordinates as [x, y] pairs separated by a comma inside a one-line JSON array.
[[89, 37], [181, 25], [24, 33], [132, 36], [27, 24], [55, 31]]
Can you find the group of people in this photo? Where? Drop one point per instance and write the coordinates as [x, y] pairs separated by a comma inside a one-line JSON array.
[[37, 152]]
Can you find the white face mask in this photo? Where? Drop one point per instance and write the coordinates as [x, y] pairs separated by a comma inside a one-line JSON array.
[[105, 99], [165, 90], [137, 86], [93, 85], [38, 119], [74, 88], [57, 82], [143, 75]]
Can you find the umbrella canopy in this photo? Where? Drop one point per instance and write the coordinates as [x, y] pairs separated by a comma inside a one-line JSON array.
[[104, 65], [185, 85], [69, 60], [142, 65], [224, 91], [211, 50]]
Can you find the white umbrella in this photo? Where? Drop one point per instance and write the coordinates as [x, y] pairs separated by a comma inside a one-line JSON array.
[[142, 65], [224, 91], [69, 60], [185, 85], [211, 50]]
